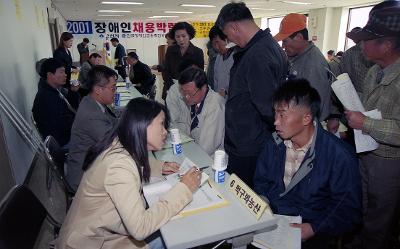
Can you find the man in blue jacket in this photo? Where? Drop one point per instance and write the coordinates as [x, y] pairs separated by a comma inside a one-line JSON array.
[[304, 170]]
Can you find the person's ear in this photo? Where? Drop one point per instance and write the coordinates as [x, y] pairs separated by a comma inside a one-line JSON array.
[[307, 118], [97, 90]]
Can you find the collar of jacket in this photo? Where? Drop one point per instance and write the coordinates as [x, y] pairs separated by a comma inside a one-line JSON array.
[[391, 73], [307, 165], [310, 46], [190, 50], [258, 36], [43, 85]]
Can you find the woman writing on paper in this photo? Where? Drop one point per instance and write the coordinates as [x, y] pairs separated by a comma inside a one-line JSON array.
[[109, 210]]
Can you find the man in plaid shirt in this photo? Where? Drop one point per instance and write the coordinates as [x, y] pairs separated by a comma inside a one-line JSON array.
[[380, 168]]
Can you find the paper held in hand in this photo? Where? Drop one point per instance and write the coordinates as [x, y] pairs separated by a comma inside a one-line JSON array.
[[346, 93]]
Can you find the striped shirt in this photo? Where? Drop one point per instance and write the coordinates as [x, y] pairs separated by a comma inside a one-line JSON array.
[[294, 158]]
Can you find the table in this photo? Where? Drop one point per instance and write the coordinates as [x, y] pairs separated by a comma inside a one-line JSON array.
[[126, 94], [231, 221]]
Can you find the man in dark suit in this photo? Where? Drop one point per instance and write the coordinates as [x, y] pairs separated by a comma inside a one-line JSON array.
[[51, 109], [140, 74], [93, 119], [119, 56]]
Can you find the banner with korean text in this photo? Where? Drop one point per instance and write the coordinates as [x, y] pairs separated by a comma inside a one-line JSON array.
[[131, 29]]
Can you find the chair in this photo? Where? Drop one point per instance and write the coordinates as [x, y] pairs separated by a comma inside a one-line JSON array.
[[152, 93], [23, 220], [56, 156]]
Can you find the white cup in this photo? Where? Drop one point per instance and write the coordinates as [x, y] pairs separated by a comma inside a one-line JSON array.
[[219, 160], [175, 136]]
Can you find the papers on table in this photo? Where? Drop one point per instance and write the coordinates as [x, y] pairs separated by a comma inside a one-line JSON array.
[[205, 198], [346, 93], [283, 237], [185, 166]]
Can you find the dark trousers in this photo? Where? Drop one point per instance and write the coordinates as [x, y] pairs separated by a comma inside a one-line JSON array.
[[121, 71], [317, 242], [243, 167], [381, 200]]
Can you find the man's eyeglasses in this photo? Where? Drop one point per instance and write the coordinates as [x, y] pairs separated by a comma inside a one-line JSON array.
[[188, 96], [112, 88]]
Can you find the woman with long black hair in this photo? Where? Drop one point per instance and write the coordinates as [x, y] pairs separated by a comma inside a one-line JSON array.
[[109, 210]]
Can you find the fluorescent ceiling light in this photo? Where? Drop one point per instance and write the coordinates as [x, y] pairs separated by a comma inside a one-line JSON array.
[[110, 15], [261, 9], [293, 2], [155, 17], [198, 5], [177, 12], [114, 11], [125, 3]]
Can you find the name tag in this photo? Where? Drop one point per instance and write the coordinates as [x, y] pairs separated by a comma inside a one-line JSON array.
[[253, 203]]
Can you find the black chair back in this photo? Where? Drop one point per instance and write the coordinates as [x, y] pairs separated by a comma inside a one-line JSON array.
[[21, 218], [55, 153], [56, 156]]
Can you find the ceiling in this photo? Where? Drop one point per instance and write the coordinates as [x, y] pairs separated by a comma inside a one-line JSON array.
[[87, 9]]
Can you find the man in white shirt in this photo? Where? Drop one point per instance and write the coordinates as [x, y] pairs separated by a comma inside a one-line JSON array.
[[202, 114]]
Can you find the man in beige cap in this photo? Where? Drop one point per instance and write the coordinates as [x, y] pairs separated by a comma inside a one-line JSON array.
[[306, 60], [380, 169]]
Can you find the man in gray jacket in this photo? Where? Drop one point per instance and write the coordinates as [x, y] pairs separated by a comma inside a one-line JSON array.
[[306, 60], [92, 121], [201, 113]]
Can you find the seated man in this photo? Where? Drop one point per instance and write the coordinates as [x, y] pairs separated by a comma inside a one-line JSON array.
[[51, 109], [93, 119], [94, 59], [305, 170], [202, 115], [140, 74]]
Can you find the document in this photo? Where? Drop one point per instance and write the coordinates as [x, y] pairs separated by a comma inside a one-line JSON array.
[[346, 93], [365, 142], [283, 237], [205, 198]]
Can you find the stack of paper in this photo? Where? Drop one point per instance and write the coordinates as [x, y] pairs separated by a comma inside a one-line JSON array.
[[346, 93], [283, 237]]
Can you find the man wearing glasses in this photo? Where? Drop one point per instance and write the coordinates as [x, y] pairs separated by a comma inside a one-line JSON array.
[[93, 119], [203, 115]]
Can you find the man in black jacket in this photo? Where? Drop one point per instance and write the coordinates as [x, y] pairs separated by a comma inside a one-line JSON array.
[[260, 66], [51, 109], [140, 74], [119, 56]]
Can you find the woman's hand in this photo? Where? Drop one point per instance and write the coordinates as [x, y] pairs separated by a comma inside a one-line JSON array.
[[192, 179], [170, 168]]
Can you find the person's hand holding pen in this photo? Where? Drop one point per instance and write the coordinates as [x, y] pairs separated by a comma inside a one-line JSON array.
[[170, 168], [192, 179]]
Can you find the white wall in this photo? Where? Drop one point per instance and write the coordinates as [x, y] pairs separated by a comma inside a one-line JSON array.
[[25, 40]]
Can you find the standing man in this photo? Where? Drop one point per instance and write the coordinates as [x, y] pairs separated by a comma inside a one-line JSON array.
[[223, 62], [119, 57], [306, 60], [380, 169], [83, 49], [259, 68]]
